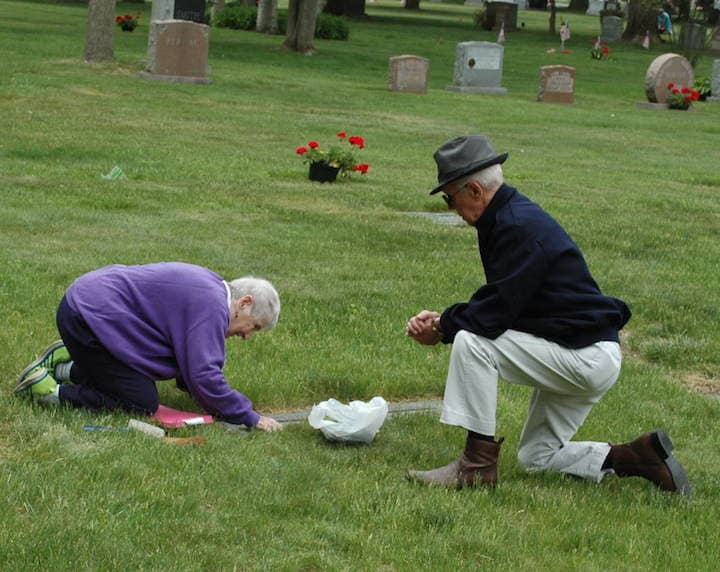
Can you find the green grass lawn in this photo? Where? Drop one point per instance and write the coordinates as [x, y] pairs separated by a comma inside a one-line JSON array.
[[212, 179]]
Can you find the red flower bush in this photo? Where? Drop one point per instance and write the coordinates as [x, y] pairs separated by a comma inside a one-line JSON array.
[[357, 140], [681, 96], [340, 156], [128, 22], [599, 50]]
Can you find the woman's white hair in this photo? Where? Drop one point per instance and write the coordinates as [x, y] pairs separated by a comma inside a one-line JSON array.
[[266, 302]]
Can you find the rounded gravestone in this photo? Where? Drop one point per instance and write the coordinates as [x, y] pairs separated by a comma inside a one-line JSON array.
[[665, 69]]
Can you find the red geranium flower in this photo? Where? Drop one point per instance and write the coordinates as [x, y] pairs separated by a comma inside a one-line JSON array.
[[118, 19], [362, 167], [695, 95], [313, 144], [685, 89], [342, 135], [688, 99], [128, 17], [676, 90], [357, 140], [670, 85], [605, 50], [301, 150]]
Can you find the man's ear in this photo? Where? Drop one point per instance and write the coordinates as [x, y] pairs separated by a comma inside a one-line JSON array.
[[475, 188]]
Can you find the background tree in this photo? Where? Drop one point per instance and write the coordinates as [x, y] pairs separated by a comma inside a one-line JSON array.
[[302, 17], [99, 37], [267, 22], [641, 18], [578, 6], [553, 15]]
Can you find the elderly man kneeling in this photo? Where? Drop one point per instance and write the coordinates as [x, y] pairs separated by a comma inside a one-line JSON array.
[[124, 327]]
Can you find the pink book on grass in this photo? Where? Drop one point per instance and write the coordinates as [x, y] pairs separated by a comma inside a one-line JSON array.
[[173, 418]]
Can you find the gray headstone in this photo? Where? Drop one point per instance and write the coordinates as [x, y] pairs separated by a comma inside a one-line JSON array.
[[478, 68], [692, 36], [612, 28], [594, 7], [100, 29], [557, 84], [665, 69], [715, 84], [162, 10], [408, 73], [178, 51]]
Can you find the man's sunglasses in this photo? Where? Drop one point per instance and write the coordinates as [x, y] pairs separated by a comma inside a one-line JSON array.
[[449, 199]]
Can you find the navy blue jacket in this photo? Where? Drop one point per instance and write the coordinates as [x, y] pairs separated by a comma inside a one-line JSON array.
[[537, 281]]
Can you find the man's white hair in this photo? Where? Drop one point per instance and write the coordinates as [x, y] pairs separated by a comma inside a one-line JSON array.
[[490, 178], [266, 302]]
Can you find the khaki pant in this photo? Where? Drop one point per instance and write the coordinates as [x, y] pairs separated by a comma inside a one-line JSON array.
[[567, 383]]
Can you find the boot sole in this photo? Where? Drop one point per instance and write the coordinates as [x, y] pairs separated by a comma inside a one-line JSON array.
[[41, 358], [663, 447]]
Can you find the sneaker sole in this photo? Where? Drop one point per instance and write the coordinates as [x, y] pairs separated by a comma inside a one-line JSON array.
[[664, 447], [31, 380], [42, 357]]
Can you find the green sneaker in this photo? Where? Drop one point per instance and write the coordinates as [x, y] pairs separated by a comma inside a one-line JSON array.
[[54, 354], [39, 383]]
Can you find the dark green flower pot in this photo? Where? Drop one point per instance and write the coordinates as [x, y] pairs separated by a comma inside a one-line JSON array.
[[323, 172]]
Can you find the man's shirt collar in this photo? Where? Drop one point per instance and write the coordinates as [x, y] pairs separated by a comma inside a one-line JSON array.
[[487, 220]]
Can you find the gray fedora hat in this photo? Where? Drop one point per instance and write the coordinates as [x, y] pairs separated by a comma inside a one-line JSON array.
[[463, 156]]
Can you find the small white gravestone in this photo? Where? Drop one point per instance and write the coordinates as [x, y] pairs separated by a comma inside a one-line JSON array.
[[478, 68], [594, 7]]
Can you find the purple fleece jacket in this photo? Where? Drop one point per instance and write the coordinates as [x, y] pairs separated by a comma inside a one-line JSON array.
[[165, 320]]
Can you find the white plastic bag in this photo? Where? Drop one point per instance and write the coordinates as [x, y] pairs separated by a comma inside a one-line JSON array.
[[357, 422]]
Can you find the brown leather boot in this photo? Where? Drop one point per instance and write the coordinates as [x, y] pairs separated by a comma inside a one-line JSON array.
[[476, 466], [649, 457]]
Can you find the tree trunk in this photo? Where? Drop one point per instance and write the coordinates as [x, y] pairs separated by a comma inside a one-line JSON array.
[[217, 7], [267, 22], [302, 17], [641, 17], [578, 6], [99, 38], [412, 4], [553, 14]]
